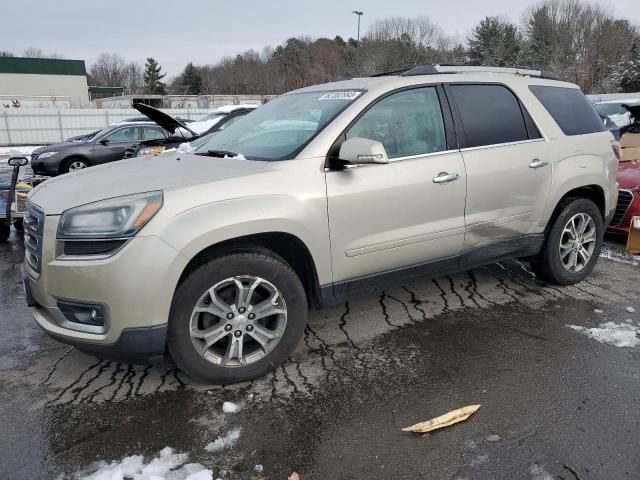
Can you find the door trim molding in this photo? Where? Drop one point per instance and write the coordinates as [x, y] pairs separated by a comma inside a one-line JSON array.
[[525, 246]]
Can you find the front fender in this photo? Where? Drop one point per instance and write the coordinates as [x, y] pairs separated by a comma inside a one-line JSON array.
[[198, 228]]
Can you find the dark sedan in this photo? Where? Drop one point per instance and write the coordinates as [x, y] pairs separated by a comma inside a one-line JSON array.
[[105, 146]]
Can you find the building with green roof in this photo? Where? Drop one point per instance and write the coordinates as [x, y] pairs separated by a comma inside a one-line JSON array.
[[22, 79]]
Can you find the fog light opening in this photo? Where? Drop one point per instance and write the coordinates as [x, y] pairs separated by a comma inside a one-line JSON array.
[[83, 313]]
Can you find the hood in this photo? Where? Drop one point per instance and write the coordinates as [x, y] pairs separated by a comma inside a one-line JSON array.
[[629, 175], [165, 121], [169, 171], [56, 146]]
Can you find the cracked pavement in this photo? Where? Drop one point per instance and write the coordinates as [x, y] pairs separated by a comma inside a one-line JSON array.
[[555, 403]]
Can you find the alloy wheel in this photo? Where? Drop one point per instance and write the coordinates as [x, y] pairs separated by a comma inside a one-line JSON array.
[[577, 242], [77, 165], [238, 321]]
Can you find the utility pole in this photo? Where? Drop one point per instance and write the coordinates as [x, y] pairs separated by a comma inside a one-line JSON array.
[[359, 14]]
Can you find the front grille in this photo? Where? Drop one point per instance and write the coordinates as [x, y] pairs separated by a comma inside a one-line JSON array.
[[625, 197], [33, 230], [91, 247]]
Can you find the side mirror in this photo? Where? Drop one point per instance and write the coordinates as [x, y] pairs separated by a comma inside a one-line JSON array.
[[104, 141], [362, 151], [18, 161]]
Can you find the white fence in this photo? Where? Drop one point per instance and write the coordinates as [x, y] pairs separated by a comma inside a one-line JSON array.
[[39, 126], [601, 97]]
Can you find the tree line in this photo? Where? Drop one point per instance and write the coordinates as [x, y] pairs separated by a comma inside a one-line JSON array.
[[583, 43]]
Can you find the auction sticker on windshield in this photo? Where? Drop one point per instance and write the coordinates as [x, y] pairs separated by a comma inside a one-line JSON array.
[[343, 95]]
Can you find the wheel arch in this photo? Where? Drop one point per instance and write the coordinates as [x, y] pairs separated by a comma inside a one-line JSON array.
[[593, 192], [284, 245]]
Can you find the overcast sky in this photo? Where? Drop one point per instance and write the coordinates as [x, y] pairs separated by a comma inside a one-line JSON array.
[[204, 31]]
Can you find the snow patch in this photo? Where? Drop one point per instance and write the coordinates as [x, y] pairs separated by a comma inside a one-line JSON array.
[[167, 465], [539, 473], [618, 256], [230, 407], [258, 468], [19, 150], [597, 310], [238, 156], [630, 309], [624, 335], [229, 440]]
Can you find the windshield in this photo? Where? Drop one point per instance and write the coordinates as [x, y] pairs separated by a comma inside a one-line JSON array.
[[282, 127], [611, 108]]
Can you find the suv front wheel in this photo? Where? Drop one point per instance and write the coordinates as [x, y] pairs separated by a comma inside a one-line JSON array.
[[237, 317], [572, 245]]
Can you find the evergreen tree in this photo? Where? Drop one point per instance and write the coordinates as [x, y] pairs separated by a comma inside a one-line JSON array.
[[627, 72], [153, 78], [494, 42], [190, 80]]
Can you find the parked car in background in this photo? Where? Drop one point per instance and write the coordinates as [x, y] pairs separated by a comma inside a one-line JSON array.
[[628, 196], [615, 111], [610, 125], [214, 121], [322, 194], [104, 146], [634, 111]]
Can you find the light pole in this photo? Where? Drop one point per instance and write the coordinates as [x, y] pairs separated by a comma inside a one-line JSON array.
[[359, 14]]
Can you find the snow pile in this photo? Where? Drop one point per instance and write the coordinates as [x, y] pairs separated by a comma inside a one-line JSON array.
[[231, 108], [204, 125], [238, 156], [229, 440], [168, 465], [21, 150], [230, 407], [616, 334]]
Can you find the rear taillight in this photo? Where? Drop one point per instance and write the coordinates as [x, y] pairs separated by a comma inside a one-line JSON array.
[[617, 150]]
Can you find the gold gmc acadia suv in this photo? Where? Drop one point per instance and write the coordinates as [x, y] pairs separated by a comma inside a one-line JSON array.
[[326, 192]]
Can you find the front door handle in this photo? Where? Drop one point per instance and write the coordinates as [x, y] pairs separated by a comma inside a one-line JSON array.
[[537, 163], [444, 177]]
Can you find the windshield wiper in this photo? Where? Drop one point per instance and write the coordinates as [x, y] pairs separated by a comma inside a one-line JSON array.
[[220, 153]]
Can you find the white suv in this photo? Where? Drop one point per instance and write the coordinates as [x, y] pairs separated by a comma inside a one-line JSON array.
[[324, 193]]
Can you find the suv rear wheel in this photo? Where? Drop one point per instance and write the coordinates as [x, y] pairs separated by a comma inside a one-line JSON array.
[[237, 317], [573, 243]]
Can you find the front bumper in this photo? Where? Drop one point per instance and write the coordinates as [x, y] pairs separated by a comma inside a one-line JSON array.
[[136, 286], [47, 167]]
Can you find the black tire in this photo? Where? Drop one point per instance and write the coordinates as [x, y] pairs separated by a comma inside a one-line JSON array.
[[5, 230], [18, 224], [66, 164], [547, 265], [233, 263]]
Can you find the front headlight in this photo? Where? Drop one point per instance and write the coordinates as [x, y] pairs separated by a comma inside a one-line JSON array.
[[47, 155], [120, 217]]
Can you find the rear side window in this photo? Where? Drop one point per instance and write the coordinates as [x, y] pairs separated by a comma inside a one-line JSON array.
[[490, 115], [571, 110]]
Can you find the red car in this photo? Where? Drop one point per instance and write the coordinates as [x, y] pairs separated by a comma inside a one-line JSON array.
[[628, 197]]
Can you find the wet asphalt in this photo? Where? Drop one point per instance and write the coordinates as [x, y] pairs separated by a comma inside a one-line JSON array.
[[555, 404]]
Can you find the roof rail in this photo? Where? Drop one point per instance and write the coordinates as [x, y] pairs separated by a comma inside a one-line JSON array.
[[462, 68]]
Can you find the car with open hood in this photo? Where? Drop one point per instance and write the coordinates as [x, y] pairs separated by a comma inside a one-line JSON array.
[[214, 121], [323, 194]]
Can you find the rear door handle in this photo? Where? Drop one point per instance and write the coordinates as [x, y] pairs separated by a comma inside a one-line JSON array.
[[537, 163], [444, 177]]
